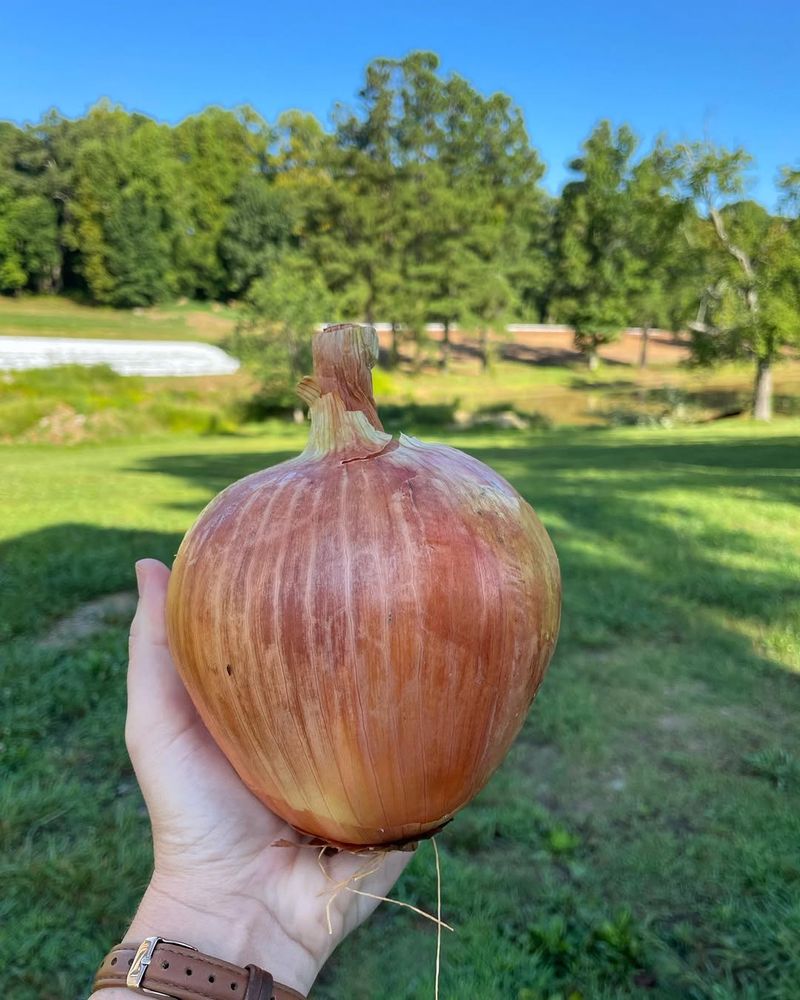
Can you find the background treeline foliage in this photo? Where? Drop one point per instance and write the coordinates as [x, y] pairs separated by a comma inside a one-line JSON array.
[[422, 203]]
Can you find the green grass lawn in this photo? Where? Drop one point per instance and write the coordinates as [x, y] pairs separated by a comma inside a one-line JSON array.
[[641, 840], [71, 404], [55, 316]]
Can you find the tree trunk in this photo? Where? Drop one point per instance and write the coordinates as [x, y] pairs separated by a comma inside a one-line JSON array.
[[592, 359], [394, 347], [418, 351], [486, 361], [444, 362], [643, 351], [369, 309], [762, 398], [56, 279]]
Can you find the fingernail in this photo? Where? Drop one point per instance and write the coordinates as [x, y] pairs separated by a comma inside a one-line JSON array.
[[139, 577]]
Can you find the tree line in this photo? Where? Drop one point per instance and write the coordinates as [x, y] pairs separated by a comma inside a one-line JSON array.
[[421, 203]]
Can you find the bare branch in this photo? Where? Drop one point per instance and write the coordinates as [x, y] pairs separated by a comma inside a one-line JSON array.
[[751, 295], [733, 250], [698, 326]]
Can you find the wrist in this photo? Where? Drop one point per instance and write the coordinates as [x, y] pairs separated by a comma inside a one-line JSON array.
[[236, 929]]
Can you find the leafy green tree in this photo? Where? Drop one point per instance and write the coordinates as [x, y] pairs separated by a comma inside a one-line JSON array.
[[363, 238], [434, 196], [533, 272], [417, 128], [597, 266], [662, 281], [8, 139], [491, 163], [790, 188], [35, 173], [12, 274], [445, 274], [100, 165], [32, 231], [258, 227], [750, 304], [299, 165], [216, 150], [491, 300], [137, 252], [122, 221], [273, 338]]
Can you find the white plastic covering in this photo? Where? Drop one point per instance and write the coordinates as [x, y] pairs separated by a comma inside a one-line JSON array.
[[127, 357]]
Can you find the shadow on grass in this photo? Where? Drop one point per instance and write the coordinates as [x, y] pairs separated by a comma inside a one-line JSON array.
[[631, 559], [539, 355], [47, 573], [550, 357], [212, 472], [632, 565], [74, 838], [736, 462], [725, 401], [629, 563]]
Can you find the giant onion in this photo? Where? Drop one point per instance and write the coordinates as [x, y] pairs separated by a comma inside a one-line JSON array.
[[363, 627]]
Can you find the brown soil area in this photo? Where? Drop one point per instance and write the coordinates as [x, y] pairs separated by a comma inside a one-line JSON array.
[[557, 347]]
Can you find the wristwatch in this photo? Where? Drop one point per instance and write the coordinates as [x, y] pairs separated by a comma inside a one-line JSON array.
[[162, 968]]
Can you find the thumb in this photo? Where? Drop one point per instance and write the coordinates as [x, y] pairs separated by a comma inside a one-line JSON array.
[[158, 705]]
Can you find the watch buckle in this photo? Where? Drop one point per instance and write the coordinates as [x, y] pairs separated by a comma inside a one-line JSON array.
[[141, 963]]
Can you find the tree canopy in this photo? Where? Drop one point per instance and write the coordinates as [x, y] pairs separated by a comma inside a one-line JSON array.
[[421, 203], [749, 301]]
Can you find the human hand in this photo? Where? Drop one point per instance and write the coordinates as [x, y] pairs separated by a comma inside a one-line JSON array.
[[217, 882]]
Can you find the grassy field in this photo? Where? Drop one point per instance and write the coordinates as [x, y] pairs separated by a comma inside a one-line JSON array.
[[54, 316], [617, 395], [640, 841], [73, 405], [70, 404]]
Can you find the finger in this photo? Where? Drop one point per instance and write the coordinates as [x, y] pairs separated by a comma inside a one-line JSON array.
[[157, 700], [172, 752]]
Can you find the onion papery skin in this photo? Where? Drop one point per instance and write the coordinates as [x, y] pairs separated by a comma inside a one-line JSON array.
[[363, 628]]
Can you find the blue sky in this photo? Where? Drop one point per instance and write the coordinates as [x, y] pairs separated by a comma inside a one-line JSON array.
[[726, 70]]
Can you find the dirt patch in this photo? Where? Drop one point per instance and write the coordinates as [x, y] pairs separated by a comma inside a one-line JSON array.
[[89, 618], [557, 347], [673, 723], [64, 425]]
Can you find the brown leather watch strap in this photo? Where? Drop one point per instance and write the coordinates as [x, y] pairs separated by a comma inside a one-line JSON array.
[[179, 971]]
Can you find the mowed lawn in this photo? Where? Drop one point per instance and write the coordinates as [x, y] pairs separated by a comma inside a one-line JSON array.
[[56, 316], [641, 840]]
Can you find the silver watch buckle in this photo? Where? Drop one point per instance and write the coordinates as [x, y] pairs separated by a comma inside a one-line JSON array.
[[141, 962]]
